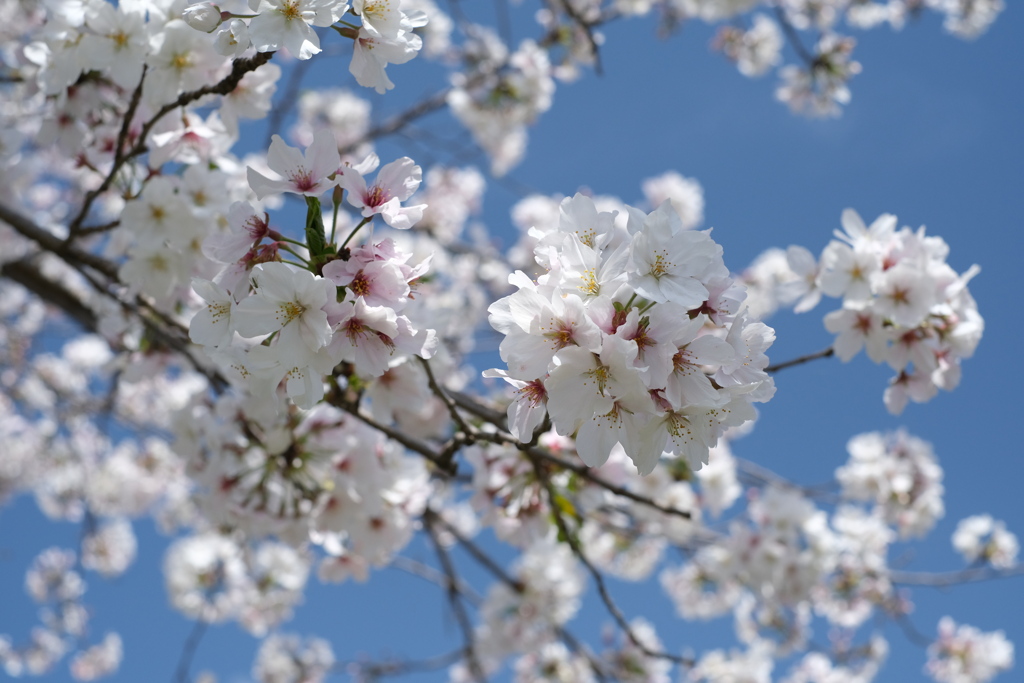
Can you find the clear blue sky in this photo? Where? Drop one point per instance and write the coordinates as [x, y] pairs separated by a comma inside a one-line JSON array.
[[934, 134]]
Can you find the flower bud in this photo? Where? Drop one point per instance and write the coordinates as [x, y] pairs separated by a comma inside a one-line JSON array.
[[202, 16]]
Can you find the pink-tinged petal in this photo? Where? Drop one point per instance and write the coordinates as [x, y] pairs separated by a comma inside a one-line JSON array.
[[283, 158], [322, 156], [401, 218], [352, 181], [263, 186], [400, 178]]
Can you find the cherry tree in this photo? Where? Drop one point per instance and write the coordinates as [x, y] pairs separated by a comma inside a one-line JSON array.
[[253, 310]]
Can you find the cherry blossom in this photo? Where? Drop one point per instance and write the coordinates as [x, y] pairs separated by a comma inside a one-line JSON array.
[[395, 183], [288, 395], [308, 174]]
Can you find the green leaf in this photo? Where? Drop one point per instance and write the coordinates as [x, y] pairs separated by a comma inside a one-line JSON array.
[[320, 252]]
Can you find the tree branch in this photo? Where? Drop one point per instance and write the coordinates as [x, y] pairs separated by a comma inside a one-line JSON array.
[[824, 353], [50, 242], [226, 85], [455, 600], [445, 468], [188, 651], [946, 579], [599, 582], [54, 293]]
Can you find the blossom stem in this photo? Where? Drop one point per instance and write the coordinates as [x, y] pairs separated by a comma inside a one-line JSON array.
[[347, 31], [282, 238], [824, 353], [354, 231], [336, 198], [285, 247]]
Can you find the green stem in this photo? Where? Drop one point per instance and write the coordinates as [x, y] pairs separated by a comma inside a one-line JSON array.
[[336, 198], [296, 254], [282, 238], [354, 231]]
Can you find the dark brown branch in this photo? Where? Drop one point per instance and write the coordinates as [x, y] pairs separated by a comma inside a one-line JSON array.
[[54, 293], [97, 229], [226, 85], [794, 38], [588, 30], [412, 444], [50, 242], [447, 400], [825, 353], [126, 123]]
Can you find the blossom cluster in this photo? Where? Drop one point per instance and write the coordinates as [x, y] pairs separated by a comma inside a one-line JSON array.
[[902, 302], [980, 538], [53, 582], [634, 336], [323, 478], [776, 567], [300, 433], [501, 96], [386, 35], [900, 475], [964, 654], [296, 322]]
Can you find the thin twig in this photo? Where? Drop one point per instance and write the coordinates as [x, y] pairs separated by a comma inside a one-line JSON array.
[[188, 651], [288, 99], [445, 398], [412, 444], [946, 579], [794, 38], [371, 671], [499, 420], [239, 68], [50, 242], [455, 600], [824, 353], [764, 476], [476, 553], [126, 123], [495, 569], [584, 472], [96, 229], [911, 632], [599, 582], [435, 577], [588, 29], [399, 121]]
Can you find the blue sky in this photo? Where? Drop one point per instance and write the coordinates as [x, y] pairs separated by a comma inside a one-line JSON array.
[[934, 134]]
